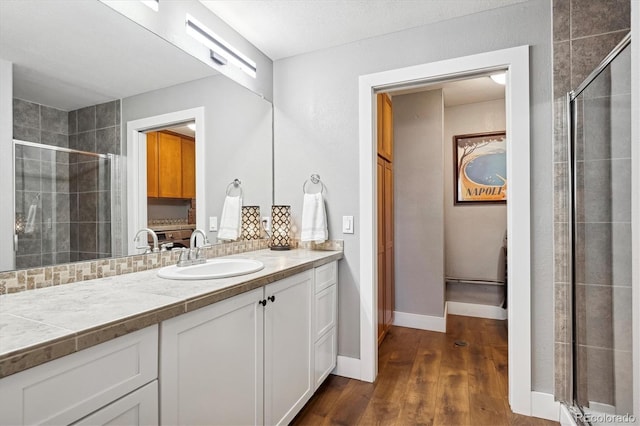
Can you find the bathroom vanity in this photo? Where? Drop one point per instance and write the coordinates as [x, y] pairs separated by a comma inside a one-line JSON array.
[[139, 349]]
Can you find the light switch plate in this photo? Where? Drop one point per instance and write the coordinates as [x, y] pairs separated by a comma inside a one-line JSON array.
[[213, 223], [347, 224]]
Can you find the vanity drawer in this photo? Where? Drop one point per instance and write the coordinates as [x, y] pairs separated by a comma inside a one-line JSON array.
[[67, 389], [325, 311], [326, 352], [326, 275]]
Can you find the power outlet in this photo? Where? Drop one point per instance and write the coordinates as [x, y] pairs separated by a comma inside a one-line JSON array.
[[213, 223], [266, 223]]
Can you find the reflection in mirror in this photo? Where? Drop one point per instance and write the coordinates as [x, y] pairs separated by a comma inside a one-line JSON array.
[[74, 94]]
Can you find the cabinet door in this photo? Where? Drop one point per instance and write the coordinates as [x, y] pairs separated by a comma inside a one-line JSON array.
[[288, 347], [152, 164], [385, 127], [211, 364], [67, 389], [169, 166], [188, 168], [136, 409]]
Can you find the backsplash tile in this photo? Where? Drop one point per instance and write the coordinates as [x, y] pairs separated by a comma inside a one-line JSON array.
[[27, 279]]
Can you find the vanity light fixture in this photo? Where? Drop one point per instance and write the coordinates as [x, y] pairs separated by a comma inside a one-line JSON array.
[[221, 51], [152, 4], [500, 78]]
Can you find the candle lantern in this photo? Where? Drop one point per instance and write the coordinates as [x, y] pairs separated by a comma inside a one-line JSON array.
[[280, 227], [251, 223]]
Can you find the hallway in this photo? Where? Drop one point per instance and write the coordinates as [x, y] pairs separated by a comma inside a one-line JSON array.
[[425, 379]]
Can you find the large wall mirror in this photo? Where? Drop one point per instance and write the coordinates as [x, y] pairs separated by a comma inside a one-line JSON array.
[[91, 91]]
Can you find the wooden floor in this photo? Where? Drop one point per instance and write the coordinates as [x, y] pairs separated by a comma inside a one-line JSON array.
[[424, 378]]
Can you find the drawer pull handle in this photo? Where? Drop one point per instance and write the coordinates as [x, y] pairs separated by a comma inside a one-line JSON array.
[[272, 298], [263, 302]]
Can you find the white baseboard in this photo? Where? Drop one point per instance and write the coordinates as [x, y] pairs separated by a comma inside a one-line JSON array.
[[422, 322], [544, 406], [476, 310], [347, 367]]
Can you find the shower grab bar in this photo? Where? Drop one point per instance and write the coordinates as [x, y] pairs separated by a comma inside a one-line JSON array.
[[61, 149]]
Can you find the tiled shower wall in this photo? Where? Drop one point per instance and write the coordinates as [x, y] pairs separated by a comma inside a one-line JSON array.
[[92, 129], [70, 192], [584, 32]]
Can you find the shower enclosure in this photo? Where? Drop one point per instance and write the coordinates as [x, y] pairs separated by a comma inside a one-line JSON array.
[[600, 222], [63, 204]]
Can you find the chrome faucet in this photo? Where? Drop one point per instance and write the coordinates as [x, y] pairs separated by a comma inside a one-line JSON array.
[[147, 248], [192, 240], [194, 255]]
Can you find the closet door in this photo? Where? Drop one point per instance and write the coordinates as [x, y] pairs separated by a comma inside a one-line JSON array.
[[381, 250], [389, 287]]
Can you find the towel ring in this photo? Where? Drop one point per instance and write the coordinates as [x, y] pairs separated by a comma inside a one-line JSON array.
[[315, 179], [235, 184]]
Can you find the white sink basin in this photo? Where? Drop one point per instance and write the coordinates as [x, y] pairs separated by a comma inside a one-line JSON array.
[[213, 268]]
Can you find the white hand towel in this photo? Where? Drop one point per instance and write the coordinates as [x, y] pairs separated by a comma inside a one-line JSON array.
[[231, 218], [314, 219], [30, 226]]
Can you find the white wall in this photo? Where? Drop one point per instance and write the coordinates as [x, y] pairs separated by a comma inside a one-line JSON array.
[[418, 211], [7, 219], [316, 131], [473, 233], [238, 127]]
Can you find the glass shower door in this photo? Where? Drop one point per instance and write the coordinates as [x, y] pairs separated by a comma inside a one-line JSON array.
[[601, 234], [65, 201]]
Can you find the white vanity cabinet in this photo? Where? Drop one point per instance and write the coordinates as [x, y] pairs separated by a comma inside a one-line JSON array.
[[135, 409], [288, 347], [211, 364], [250, 359], [325, 320], [70, 388]]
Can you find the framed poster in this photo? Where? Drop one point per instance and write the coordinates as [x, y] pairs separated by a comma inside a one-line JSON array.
[[480, 169]]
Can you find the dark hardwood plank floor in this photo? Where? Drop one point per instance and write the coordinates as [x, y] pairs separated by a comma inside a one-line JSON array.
[[424, 378]]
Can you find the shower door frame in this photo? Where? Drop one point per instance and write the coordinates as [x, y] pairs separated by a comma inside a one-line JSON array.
[[571, 120]]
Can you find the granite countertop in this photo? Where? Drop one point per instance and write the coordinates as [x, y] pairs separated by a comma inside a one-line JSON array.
[[40, 325]]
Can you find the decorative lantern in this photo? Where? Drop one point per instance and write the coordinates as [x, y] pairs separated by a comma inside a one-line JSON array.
[[251, 223], [280, 227]]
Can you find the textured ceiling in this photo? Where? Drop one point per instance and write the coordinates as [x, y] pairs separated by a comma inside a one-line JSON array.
[[283, 28]]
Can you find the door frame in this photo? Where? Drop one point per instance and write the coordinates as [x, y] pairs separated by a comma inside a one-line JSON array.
[[515, 61], [137, 167]]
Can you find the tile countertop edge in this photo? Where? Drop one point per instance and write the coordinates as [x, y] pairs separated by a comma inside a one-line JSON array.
[[31, 356]]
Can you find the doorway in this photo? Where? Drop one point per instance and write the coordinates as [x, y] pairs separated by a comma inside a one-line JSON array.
[[137, 214], [515, 62]]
